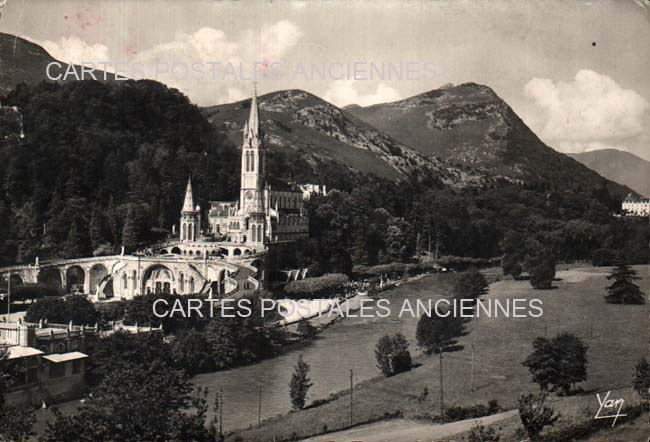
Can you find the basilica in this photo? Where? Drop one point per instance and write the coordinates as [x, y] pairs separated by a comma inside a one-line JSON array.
[[262, 215], [225, 256]]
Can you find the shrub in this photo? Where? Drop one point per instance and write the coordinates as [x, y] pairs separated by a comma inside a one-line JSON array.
[[326, 285], [641, 380], [481, 433], [535, 414], [453, 414], [393, 355]]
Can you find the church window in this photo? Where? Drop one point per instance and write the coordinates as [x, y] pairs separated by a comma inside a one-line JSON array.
[[181, 282]]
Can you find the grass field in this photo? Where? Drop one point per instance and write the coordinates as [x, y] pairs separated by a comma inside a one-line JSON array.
[[617, 337]]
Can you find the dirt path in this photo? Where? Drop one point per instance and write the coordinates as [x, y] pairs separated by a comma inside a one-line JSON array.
[[402, 430]]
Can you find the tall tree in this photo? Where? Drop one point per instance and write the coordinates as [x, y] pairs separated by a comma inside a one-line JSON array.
[[540, 265], [624, 290], [300, 384], [130, 231], [513, 253], [28, 232], [97, 226]]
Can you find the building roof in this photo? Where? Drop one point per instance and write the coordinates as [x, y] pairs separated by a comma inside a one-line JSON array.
[[63, 357], [16, 352], [188, 203], [630, 198]]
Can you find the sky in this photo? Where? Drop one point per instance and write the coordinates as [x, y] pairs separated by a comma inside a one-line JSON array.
[[576, 72]]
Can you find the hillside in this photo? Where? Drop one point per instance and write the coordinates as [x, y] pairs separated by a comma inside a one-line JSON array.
[[470, 125], [617, 165], [23, 61], [297, 122]]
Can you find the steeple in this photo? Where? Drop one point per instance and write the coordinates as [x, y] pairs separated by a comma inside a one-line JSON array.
[[188, 203], [252, 128]]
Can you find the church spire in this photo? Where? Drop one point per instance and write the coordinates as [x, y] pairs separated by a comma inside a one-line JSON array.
[[253, 125], [188, 203]]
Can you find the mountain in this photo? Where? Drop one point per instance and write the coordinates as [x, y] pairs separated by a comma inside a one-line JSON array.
[[298, 123], [24, 61], [471, 125], [617, 165]]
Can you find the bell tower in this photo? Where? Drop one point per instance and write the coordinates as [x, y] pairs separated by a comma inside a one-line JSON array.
[[254, 175]]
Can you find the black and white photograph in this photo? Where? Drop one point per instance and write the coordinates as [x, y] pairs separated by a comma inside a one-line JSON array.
[[324, 220]]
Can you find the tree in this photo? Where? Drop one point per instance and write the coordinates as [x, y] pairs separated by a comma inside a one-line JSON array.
[[76, 242], [623, 290], [560, 362], [513, 248], [573, 361], [438, 331], [535, 414], [28, 232], [80, 310], [191, 352], [240, 340], [470, 284], [97, 227], [76, 308], [393, 355], [136, 402], [17, 423], [52, 309], [299, 384], [641, 380], [130, 236], [540, 265]]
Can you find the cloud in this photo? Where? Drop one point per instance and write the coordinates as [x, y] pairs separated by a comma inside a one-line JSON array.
[[590, 109], [344, 92], [74, 50], [208, 64]]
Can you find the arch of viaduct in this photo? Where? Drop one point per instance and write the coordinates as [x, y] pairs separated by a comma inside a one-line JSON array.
[[126, 276]]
